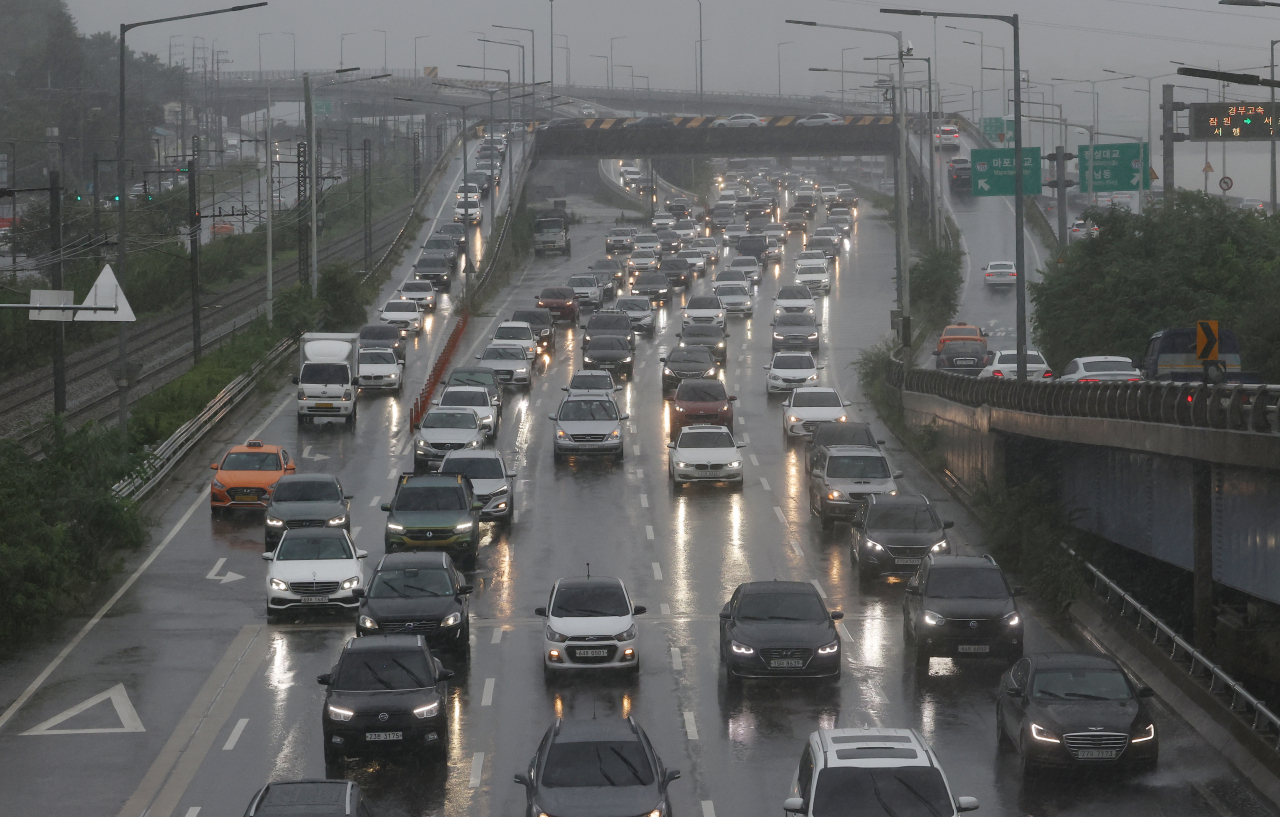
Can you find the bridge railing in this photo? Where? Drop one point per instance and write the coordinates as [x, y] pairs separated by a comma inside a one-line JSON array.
[[1232, 406]]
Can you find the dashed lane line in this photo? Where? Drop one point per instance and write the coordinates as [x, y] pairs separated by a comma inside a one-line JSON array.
[[635, 449], [486, 699], [821, 592], [764, 483], [755, 461], [657, 572], [644, 500], [781, 516], [677, 663], [708, 809], [665, 609], [374, 501], [648, 531], [234, 737], [690, 726], [497, 635], [477, 769]]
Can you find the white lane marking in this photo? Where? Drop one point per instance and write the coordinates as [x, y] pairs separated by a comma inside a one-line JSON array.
[[515, 516], [641, 366], [486, 699], [844, 631], [404, 446], [746, 438], [200, 499], [736, 372], [665, 608], [708, 810], [235, 735], [129, 720], [194, 811], [657, 571], [648, 531], [764, 483], [226, 577], [644, 500], [477, 768], [537, 402], [306, 453], [256, 434], [742, 421], [374, 501], [636, 450], [796, 547], [821, 592], [781, 517], [497, 635], [394, 473], [676, 661], [639, 473], [355, 532], [543, 387], [754, 461], [690, 726]]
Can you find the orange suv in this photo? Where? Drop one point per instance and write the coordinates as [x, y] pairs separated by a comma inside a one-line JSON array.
[[961, 331], [247, 475]]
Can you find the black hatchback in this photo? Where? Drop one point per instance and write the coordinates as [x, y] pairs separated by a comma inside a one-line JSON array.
[[710, 336], [603, 767], [961, 607], [678, 272], [895, 535], [690, 362], [417, 593]]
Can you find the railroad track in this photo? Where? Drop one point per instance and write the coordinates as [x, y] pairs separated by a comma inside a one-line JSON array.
[[92, 393]]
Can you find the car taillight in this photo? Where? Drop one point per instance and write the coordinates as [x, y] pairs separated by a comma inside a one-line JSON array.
[[989, 274], [997, 373], [1047, 373]]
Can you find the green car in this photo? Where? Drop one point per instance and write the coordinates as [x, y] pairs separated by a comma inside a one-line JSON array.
[[434, 512]]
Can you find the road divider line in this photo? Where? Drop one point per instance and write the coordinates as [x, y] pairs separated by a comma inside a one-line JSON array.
[[796, 547], [781, 516], [194, 811], [641, 366], [754, 461], [497, 635], [515, 516], [537, 402], [708, 809], [639, 473], [486, 699], [374, 501], [742, 421], [677, 662], [395, 472], [821, 592], [355, 531], [635, 449], [844, 633], [102, 611], [764, 483], [234, 738], [644, 500], [477, 769], [657, 572], [690, 726], [648, 531], [746, 438]]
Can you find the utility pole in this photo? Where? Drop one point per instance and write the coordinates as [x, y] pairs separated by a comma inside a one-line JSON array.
[[368, 211], [313, 158], [304, 191], [97, 210], [1167, 109], [417, 161], [193, 219], [59, 338], [1060, 157], [271, 213]]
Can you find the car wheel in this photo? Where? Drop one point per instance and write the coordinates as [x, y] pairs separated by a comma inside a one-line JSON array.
[[1028, 769], [1001, 738], [332, 764], [622, 453]]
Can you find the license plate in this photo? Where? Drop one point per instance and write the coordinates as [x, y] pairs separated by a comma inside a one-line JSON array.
[[384, 735], [324, 405], [315, 599], [906, 561], [1096, 754], [786, 663], [706, 473], [974, 648], [246, 498], [592, 653]]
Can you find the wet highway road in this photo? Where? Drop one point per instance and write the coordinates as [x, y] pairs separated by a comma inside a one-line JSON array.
[[228, 702]]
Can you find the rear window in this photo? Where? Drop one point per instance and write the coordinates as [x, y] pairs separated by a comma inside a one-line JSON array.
[[964, 348], [610, 322], [1107, 366], [959, 331], [453, 397], [1032, 358]]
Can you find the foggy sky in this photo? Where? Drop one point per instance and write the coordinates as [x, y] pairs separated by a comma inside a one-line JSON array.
[[1133, 36]]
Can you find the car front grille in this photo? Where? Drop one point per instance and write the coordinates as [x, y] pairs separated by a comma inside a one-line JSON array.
[[972, 628], [447, 446], [257, 493], [610, 651], [414, 627], [588, 438], [428, 534], [701, 319], [706, 466], [811, 425], [794, 308], [304, 523], [794, 379], [914, 552], [1109, 741], [777, 653], [313, 588], [701, 418]]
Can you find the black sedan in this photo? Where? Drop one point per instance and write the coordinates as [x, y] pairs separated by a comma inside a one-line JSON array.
[[306, 501], [385, 695], [669, 242], [690, 362], [419, 593], [793, 330], [1072, 711], [678, 272], [598, 767], [710, 336], [895, 535], [779, 629], [611, 353]]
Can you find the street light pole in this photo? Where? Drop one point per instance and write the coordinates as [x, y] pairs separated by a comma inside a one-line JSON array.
[[787, 42], [415, 52], [533, 56], [842, 52], [384, 48], [632, 71], [982, 67], [611, 41], [702, 110], [342, 41]]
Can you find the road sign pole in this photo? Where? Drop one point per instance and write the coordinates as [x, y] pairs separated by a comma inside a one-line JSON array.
[[55, 244], [1019, 215], [1060, 171], [1166, 111]]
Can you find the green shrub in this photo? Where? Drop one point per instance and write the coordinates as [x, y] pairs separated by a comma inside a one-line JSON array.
[[935, 288], [1025, 530]]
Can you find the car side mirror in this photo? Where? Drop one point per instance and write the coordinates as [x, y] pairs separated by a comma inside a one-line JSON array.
[[773, 323], [821, 367], [898, 475], [478, 357], [733, 398], [793, 805], [357, 593], [879, 442], [966, 804], [624, 416], [947, 524], [348, 496], [386, 506], [1146, 692], [465, 589], [662, 360], [213, 465], [848, 402], [913, 590], [324, 679], [671, 445], [1015, 692], [639, 610], [362, 554], [522, 779], [551, 416], [564, 388], [936, 353], [540, 611], [836, 615], [268, 556], [725, 615], [1019, 590]]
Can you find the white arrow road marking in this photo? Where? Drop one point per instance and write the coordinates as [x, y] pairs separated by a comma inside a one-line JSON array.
[[223, 579], [129, 720], [307, 455]]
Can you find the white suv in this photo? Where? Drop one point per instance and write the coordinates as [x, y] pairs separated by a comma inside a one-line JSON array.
[[591, 625], [894, 767]]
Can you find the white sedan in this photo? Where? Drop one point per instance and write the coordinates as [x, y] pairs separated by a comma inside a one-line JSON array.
[[703, 309], [813, 271], [739, 120], [405, 314], [807, 406], [736, 299], [1000, 273], [643, 261], [313, 568], [1099, 368], [704, 453], [790, 370], [820, 119], [696, 259], [794, 299], [1005, 364]]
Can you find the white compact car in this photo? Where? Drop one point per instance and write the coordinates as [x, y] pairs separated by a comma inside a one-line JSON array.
[[663, 221], [703, 309], [697, 261], [736, 299], [704, 453], [790, 370], [807, 406], [590, 625], [475, 398], [648, 241], [444, 430], [1099, 368], [813, 271], [947, 136], [509, 362], [1005, 364], [404, 313], [748, 266], [586, 289], [420, 291], [313, 568], [518, 333], [820, 119], [709, 246], [643, 261], [1000, 273], [794, 299], [739, 120], [380, 369]]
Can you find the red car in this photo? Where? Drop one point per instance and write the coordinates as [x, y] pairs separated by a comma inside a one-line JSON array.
[[561, 303], [701, 401]]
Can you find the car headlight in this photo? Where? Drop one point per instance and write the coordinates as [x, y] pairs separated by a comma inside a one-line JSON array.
[[430, 710], [302, 394], [1145, 735], [814, 336], [809, 310], [681, 344], [451, 620], [272, 522], [560, 433], [1013, 619], [337, 713], [338, 520], [720, 344], [522, 370], [813, 377], [368, 623], [777, 336], [552, 635], [465, 526], [392, 376], [668, 371], [683, 465], [834, 646], [279, 584], [933, 619], [221, 487], [347, 584], [627, 359], [394, 528], [627, 634], [741, 649], [617, 433], [1040, 733], [586, 359], [775, 377], [940, 547], [876, 546], [419, 443]]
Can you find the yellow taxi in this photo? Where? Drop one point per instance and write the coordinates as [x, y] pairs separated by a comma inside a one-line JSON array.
[[247, 475]]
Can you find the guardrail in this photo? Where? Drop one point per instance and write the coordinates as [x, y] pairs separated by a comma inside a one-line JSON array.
[[1231, 692], [1233, 406], [422, 402]]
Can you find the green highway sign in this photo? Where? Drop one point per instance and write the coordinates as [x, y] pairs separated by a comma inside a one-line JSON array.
[[1114, 168], [993, 171], [322, 107], [993, 127]]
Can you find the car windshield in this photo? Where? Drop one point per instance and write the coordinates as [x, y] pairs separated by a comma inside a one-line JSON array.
[[589, 764], [731, 275], [743, 263], [794, 294], [649, 238], [706, 439], [620, 231], [440, 244], [857, 467], [368, 671], [513, 333], [781, 607], [643, 254], [592, 600], [531, 317], [430, 498], [703, 302], [376, 356], [472, 377], [912, 520], [601, 381], [966, 583], [1107, 366], [586, 410], [558, 293], [503, 353], [731, 291], [582, 281], [251, 461], [701, 391], [453, 397], [1081, 685], [608, 343], [474, 467], [698, 355], [815, 399], [411, 583], [794, 319], [904, 791], [793, 362], [450, 419], [323, 374], [312, 548], [417, 286], [633, 304], [307, 490]]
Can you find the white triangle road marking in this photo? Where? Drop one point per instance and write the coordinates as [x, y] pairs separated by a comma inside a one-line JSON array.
[[129, 720]]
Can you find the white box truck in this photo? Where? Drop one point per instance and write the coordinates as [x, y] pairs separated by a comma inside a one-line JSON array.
[[327, 376]]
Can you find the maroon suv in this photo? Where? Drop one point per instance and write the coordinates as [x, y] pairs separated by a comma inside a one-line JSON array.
[[561, 303], [701, 401]]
